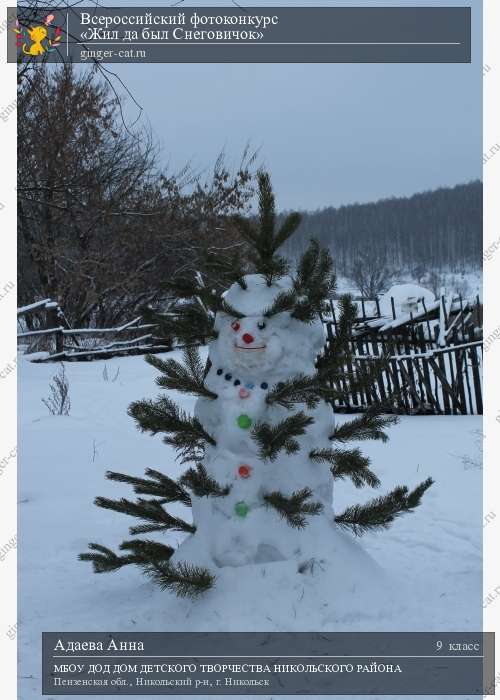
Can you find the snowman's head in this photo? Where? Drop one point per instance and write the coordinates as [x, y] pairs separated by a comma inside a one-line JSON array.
[[255, 342]]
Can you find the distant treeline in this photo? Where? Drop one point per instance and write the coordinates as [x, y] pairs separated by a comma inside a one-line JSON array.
[[439, 229]]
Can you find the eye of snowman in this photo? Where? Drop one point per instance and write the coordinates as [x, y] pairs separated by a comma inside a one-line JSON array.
[[261, 325], [235, 326]]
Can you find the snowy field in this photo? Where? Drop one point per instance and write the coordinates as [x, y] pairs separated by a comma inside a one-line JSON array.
[[429, 563]]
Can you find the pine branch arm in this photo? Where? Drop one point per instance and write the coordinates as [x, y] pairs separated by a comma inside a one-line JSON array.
[[294, 508], [382, 511]]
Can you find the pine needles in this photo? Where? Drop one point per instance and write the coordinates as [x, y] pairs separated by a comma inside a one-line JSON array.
[[271, 439], [369, 426], [295, 508], [380, 512], [347, 464], [201, 484], [188, 378], [184, 432], [185, 580]]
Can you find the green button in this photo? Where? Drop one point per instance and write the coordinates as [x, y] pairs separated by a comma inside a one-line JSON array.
[[241, 509], [244, 421]]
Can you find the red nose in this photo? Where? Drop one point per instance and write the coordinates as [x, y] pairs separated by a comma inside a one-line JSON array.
[[247, 338]]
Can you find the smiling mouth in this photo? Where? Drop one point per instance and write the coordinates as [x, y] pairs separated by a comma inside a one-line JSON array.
[[240, 347]]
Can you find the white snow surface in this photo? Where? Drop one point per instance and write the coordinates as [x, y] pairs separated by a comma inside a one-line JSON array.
[[422, 574], [404, 294]]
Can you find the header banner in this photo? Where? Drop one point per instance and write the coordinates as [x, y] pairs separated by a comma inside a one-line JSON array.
[[241, 35]]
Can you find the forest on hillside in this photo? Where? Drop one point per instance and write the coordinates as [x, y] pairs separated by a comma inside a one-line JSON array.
[[103, 226], [440, 229]]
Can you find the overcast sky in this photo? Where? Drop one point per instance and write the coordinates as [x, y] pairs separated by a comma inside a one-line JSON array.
[[330, 134]]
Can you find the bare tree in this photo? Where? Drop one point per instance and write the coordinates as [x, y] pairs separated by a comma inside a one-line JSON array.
[[101, 227], [370, 274]]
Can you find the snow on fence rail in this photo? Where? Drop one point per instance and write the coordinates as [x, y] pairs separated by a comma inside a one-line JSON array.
[[48, 325]]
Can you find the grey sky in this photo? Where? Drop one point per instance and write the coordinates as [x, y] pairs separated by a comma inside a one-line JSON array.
[[330, 134]]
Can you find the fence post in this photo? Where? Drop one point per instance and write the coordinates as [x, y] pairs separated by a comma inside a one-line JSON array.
[[53, 321]]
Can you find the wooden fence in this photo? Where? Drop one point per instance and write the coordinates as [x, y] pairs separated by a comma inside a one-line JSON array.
[[432, 368], [434, 381], [44, 328], [420, 376]]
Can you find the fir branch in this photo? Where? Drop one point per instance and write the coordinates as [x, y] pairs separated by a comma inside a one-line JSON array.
[[369, 426], [295, 508], [185, 580], [151, 511], [347, 463], [187, 378], [382, 511], [201, 484], [158, 485], [271, 439], [185, 433]]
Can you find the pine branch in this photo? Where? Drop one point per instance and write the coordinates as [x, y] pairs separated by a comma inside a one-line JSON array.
[[347, 463], [369, 426], [103, 559], [158, 485], [152, 511], [382, 511], [295, 508], [338, 349], [274, 438], [284, 301], [267, 212], [187, 323], [192, 288], [301, 388], [314, 282], [184, 432], [287, 229], [201, 484], [185, 580], [222, 269], [147, 550], [187, 378], [261, 236]]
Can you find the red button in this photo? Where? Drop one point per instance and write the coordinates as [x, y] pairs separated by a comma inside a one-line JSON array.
[[244, 471], [247, 338]]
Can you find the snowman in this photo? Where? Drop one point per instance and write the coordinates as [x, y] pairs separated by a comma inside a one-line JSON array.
[[253, 352]]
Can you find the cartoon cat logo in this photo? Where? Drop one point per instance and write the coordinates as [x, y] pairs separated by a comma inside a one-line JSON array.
[[44, 37], [37, 35]]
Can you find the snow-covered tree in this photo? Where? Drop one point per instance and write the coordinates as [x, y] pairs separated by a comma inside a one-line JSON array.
[[263, 448]]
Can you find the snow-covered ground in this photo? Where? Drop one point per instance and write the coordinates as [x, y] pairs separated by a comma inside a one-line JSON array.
[[430, 577]]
